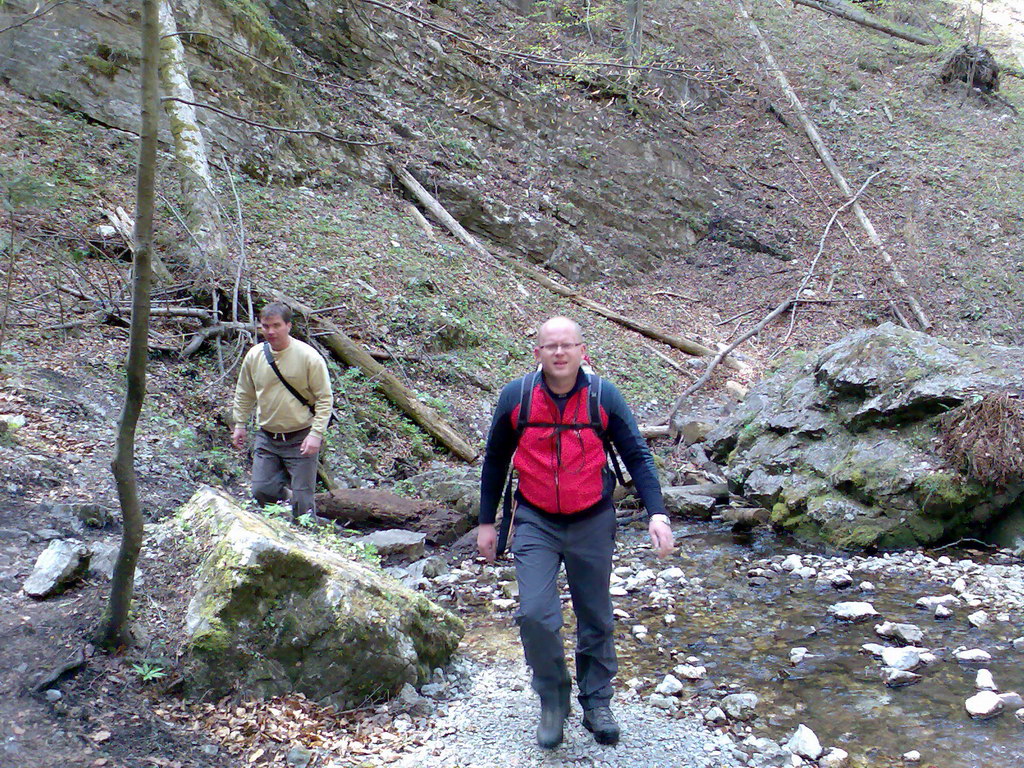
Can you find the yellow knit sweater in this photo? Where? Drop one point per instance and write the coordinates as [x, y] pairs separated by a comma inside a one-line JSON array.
[[277, 409]]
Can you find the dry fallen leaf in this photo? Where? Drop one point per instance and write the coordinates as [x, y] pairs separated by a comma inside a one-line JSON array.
[[100, 736]]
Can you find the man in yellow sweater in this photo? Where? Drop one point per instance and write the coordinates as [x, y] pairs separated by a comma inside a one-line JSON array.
[[290, 432]]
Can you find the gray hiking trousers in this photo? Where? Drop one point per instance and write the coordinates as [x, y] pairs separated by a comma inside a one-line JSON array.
[[277, 462], [540, 546]]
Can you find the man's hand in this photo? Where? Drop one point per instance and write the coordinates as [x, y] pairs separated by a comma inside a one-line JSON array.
[[661, 536], [238, 437], [487, 541], [310, 445]]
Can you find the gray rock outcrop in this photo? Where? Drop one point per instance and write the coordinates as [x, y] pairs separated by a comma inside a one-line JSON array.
[[62, 563], [840, 444], [275, 612]]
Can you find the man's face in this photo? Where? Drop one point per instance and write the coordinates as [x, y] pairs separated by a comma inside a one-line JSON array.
[[559, 351], [276, 331]]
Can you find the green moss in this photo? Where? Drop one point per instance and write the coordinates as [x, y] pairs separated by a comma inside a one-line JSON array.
[[748, 433], [861, 536], [214, 641], [102, 66], [926, 530], [945, 493], [251, 18]]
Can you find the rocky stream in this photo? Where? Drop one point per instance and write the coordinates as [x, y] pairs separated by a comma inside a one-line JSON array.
[[749, 634]]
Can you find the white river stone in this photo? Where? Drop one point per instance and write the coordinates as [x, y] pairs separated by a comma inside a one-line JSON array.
[[909, 634], [792, 562], [897, 678], [978, 619], [852, 611], [691, 672], [984, 705], [715, 716], [973, 656], [740, 706], [803, 742], [834, 758], [670, 686], [1012, 700], [929, 603], [905, 659], [983, 681]]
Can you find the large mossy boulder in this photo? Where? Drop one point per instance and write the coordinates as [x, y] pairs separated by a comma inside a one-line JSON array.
[[276, 612], [841, 445]]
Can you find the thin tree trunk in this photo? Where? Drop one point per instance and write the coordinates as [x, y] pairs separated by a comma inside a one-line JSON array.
[[438, 212], [202, 211], [11, 266], [858, 16], [833, 168], [353, 354], [114, 629], [634, 30]]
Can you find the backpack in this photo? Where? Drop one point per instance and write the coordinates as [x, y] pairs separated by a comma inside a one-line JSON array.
[[528, 383]]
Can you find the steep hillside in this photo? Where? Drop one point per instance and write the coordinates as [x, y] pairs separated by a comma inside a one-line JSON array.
[[684, 195]]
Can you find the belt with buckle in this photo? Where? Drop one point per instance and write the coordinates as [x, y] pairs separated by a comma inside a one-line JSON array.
[[284, 436]]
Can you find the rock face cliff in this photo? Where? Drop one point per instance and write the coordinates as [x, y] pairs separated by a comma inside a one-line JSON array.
[[841, 444], [545, 172], [274, 612]]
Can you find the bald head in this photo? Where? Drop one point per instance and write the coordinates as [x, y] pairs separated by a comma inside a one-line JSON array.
[[558, 325], [560, 352]]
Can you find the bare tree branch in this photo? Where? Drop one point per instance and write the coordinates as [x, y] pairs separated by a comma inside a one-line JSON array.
[[276, 128], [34, 16]]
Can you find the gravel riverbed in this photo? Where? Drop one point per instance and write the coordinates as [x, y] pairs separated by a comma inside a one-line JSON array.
[[491, 720]]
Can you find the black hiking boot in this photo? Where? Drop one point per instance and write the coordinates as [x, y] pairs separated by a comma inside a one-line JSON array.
[[552, 718], [601, 722]]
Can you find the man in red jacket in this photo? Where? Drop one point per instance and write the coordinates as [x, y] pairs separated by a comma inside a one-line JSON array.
[[564, 515]]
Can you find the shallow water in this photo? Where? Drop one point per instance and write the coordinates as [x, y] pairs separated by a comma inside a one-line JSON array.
[[743, 635]]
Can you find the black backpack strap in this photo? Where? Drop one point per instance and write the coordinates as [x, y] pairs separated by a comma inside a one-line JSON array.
[[526, 386], [595, 387], [273, 366]]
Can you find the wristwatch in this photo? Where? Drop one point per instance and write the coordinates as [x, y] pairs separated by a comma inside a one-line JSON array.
[[660, 518]]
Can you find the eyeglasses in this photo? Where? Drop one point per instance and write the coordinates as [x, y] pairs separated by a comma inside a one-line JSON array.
[[559, 347]]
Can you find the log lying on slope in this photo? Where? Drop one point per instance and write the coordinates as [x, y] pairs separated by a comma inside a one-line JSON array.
[[440, 214], [353, 354], [857, 16]]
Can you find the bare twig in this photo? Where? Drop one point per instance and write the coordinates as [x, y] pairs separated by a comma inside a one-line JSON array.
[[276, 128], [826, 157], [821, 249], [533, 58], [241, 52], [722, 355], [34, 16]]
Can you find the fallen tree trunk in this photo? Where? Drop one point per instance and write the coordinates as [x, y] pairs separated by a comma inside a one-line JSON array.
[[438, 212], [353, 354], [376, 509], [833, 168], [858, 16]]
